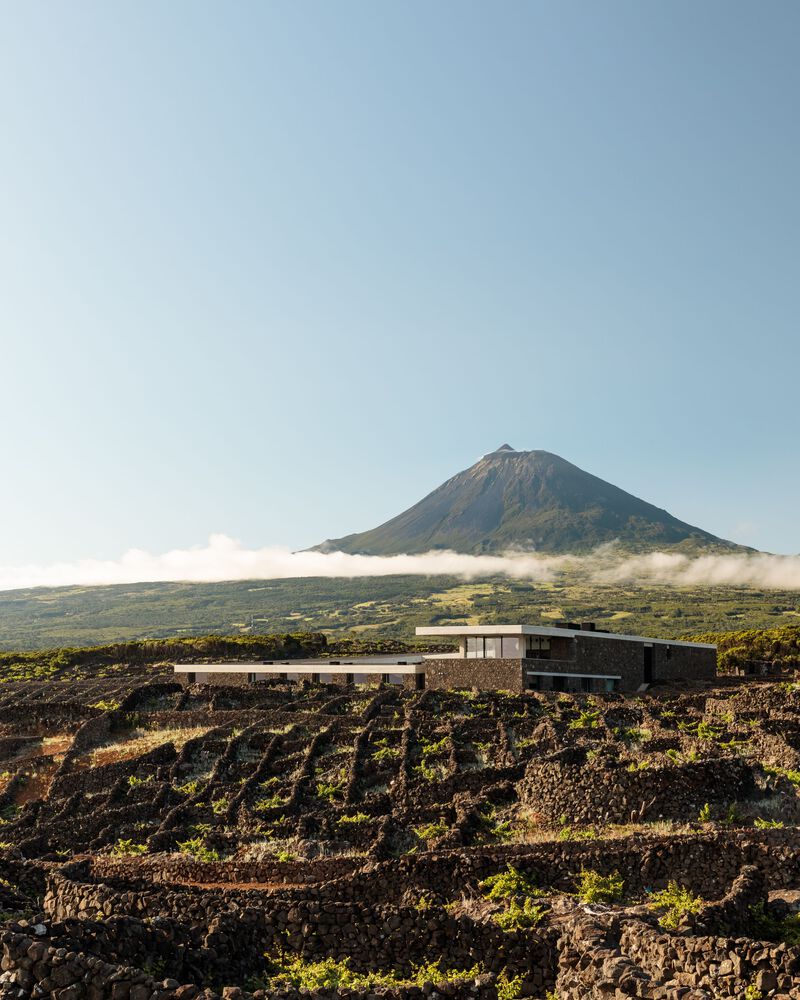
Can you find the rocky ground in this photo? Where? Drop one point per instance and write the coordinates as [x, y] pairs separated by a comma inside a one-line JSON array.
[[283, 841]]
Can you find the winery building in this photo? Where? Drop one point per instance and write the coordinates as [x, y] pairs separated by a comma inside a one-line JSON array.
[[564, 657]]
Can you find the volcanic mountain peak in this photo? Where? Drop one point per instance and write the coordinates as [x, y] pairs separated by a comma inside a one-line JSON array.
[[531, 500]]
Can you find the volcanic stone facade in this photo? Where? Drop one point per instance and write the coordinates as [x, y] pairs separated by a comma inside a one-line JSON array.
[[583, 663]]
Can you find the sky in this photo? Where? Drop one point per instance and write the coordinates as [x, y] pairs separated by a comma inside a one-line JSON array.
[[274, 271]]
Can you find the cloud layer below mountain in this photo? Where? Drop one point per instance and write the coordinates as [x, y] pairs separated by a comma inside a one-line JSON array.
[[223, 558]]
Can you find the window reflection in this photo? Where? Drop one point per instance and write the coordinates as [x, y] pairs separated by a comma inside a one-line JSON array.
[[492, 648]]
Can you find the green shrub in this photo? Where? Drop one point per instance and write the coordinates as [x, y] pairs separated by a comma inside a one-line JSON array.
[[596, 888], [508, 989], [188, 787], [428, 773], [127, 848], [767, 824], [431, 831], [269, 802], [134, 781], [677, 901], [428, 748], [586, 720], [359, 817], [329, 973], [510, 884], [520, 915], [704, 816], [329, 790], [198, 850]]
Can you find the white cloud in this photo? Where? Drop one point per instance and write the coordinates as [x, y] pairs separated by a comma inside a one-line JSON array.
[[223, 558]]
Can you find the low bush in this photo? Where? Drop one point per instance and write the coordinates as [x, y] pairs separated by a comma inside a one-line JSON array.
[[127, 848], [596, 888], [198, 850], [520, 915], [676, 901], [329, 973], [510, 884]]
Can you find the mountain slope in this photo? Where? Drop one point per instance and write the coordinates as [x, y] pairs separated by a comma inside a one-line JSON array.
[[526, 500]]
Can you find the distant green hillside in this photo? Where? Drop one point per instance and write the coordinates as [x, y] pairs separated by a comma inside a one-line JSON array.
[[527, 500], [774, 645], [381, 607]]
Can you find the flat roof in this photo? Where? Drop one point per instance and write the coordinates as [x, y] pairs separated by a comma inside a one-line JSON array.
[[411, 664], [519, 630]]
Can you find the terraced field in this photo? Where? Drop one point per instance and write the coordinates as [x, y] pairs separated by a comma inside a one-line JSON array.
[[329, 841]]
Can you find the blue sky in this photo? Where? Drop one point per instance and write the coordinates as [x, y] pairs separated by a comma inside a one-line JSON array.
[[278, 269]]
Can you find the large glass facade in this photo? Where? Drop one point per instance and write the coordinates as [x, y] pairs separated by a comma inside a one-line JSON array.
[[492, 647]]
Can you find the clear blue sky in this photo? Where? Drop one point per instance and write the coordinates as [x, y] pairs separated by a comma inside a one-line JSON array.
[[278, 269]]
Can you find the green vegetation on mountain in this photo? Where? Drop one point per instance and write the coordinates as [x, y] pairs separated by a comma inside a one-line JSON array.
[[375, 608], [530, 500]]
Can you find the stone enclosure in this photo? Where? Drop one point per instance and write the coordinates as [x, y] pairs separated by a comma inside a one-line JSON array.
[[160, 841]]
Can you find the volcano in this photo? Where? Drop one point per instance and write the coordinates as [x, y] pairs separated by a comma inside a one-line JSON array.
[[531, 501]]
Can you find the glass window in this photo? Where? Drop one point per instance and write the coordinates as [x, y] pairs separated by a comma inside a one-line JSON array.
[[492, 648], [474, 646], [511, 646], [538, 647]]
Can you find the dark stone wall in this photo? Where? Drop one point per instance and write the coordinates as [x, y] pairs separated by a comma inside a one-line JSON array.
[[488, 675], [596, 655], [603, 791], [624, 657]]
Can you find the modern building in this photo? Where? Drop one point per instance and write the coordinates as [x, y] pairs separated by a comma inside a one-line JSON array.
[[565, 657], [407, 669]]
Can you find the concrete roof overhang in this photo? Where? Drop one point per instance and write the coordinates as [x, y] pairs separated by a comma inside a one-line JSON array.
[[569, 633]]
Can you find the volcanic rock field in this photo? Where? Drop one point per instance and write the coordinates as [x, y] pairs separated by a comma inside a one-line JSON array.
[[328, 841]]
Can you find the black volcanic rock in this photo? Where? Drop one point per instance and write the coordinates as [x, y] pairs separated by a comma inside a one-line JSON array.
[[531, 500]]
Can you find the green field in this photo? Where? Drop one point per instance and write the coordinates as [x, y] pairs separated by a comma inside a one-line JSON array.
[[379, 606]]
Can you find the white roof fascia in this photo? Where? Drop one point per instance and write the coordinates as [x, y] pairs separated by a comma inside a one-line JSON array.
[[412, 665], [515, 630]]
